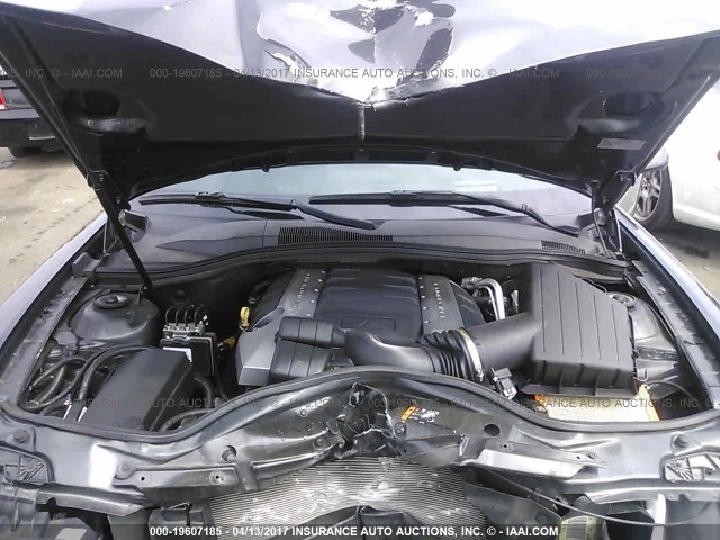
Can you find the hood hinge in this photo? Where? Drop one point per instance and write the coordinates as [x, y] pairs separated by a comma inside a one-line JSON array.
[[114, 203], [605, 196]]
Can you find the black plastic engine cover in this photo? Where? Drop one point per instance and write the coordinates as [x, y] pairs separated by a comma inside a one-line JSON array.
[[384, 303], [397, 307]]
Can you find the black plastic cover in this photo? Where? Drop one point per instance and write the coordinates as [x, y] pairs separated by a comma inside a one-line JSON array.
[[297, 360], [386, 303], [584, 346], [311, 331], [467, 305], [146, 389], [199, 349], [383, 302], [270, 297]]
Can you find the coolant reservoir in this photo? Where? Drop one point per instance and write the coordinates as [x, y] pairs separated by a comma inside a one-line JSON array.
[[117, 319]]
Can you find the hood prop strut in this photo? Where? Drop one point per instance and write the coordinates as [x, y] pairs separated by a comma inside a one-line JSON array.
[[604, 198], [113, 205], [112, 202]]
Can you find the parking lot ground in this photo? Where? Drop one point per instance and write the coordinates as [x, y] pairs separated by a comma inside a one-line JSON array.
[[699, 250], [45, 202]]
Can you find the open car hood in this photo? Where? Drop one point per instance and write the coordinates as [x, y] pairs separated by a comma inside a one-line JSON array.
[[151, 93]]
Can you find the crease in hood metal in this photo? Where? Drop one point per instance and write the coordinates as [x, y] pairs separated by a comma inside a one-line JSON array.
[[153, 92]]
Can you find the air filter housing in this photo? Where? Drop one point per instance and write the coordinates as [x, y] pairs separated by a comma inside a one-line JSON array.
[[584, 344]]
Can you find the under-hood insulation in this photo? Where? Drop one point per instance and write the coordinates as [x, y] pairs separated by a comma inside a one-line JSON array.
[[575, 100], [431, 496]]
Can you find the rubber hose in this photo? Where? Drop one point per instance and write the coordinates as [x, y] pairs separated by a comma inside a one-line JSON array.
[[464, 353], [451, 359], [506, 343], [207, 389], [219, 385], [36, 407], [168, 424], [98, 361], [53, 387], [55, 367], [450, 355], [84, 375], [52, 408]]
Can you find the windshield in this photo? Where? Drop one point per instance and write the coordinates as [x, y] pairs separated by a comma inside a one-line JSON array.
[[306, 181]]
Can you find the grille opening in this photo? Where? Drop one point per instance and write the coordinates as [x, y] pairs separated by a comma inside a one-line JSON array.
[[559, 246], [314, 235]]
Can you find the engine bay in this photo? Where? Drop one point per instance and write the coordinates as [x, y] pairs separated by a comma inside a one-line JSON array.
[[562, 345]]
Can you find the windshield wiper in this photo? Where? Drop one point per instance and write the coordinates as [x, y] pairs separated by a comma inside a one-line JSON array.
[[220, 200], [438, 198]]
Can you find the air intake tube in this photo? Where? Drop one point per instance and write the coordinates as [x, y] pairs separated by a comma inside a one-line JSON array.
[[466, 353]]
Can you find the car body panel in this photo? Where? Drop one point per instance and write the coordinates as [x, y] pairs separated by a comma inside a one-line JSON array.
[[20, 124], [611, 112], [694, 166], [180, 460], [659, 161], [691, 156], [239, 33]]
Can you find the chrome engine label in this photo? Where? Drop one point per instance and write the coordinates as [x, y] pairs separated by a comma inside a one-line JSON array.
[[439, 306], [301, 296]]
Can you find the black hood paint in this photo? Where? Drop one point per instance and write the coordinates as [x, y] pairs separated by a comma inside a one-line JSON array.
[[150, 114]]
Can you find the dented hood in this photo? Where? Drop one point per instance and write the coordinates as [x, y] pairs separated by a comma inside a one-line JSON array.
[[155, 92]]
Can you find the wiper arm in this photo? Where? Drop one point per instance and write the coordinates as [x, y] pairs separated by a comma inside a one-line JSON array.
[[437, 198], [220, 200]]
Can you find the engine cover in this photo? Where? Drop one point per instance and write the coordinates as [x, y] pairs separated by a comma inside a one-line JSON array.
[[397, 307], [383, 302]]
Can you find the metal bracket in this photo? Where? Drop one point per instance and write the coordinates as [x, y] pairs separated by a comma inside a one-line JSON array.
[[148, 478], [19, 466], [529, 459], [698, 467]]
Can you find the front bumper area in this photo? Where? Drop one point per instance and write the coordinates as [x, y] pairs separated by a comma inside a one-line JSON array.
[[23, 127]]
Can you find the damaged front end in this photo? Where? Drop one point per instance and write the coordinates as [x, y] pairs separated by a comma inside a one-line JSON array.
[[297, 400], [494, 374], [353, 450]]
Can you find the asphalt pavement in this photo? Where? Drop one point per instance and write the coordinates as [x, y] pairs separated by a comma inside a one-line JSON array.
[[45, 202]]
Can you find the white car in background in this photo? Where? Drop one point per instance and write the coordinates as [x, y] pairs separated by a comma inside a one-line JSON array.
[[682, 183]]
